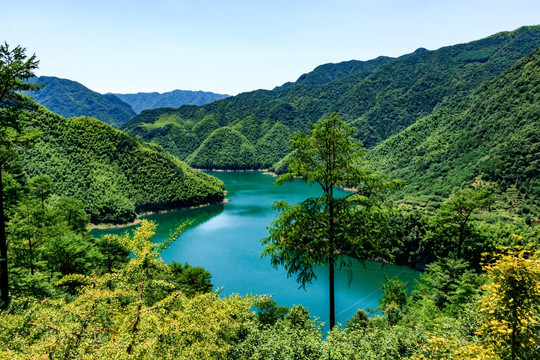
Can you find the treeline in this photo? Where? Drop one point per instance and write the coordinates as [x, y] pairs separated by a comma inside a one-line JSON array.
[[112, 174], [380, 97]]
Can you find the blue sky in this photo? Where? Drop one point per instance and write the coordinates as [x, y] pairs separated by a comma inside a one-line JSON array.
[[234, 46]]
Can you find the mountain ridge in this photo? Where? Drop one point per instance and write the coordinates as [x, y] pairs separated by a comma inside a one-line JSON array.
[[152, 100], [70, 98], [380, 97], [492, 136]]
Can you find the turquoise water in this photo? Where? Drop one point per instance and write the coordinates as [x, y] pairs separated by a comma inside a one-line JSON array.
[[225, 239]]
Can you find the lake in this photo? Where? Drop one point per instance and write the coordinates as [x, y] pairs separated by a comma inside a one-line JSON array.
[[225, 240]]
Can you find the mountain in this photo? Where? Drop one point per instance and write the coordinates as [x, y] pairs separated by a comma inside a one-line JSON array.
[[142, 101], [380, 97], [69, 98], [491, 135], [113, 174]]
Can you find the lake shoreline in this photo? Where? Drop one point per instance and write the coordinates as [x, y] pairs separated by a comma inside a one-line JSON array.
[[138, 220]]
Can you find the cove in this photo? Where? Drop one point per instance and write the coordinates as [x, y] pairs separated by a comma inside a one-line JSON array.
[[225, 240]]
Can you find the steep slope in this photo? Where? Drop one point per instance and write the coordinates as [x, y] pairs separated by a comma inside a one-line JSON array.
[[380, 97], [69, 98], [224, 148], [491, 135], [142, 101], [114, 175]]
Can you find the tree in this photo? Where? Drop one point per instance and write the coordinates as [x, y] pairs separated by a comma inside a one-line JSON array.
[[394, 298], [456, 213], [15, 69], [191, 280], [118, 315], [328, 229], [511, 304]]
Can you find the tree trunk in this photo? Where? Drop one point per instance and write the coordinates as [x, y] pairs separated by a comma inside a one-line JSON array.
[[331, 289], [4, 282], [461, 234], [331, 261]]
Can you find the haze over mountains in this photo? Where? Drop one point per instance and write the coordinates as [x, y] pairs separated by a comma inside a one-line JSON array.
[[153, 100], [70, 98]]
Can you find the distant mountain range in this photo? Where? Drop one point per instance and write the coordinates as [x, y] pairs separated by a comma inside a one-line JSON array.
[[69, 98], [142, 101]]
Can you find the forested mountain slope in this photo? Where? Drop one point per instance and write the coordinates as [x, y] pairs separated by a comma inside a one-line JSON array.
[[70, 98], [380, 97], [491, 135], [113, 174], [142, 101]]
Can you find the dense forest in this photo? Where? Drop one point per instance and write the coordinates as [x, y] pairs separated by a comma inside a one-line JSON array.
[[440, 151], [379, 97], [490, 136], [114, 175]]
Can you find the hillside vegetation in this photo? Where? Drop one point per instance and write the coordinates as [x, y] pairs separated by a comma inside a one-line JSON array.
[[380, 97], [70, 98], [114, 175], [142, 101], [492, 135]]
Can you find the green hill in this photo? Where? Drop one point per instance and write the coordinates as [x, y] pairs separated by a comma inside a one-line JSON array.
[[142, 101], [381, 97], [114, 175], [224, 148], [491, 135], [69, 98]]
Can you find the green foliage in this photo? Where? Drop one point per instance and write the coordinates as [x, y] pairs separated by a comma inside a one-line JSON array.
[[115, 176], [48, 240], [374, 339], [69, 98], [448, 284], [295, 336], [327, 229], [491, 135], [225, 148], [455, 215], [191, 280], [274, 145], [511, 304], [380, 97], [15, 69], [268, 313], [394, 299], [118, 315]]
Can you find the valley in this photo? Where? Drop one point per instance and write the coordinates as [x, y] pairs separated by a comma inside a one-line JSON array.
[[431, 252]]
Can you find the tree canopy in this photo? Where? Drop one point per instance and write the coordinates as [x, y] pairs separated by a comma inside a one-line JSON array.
[[327, 229], [15, 69]]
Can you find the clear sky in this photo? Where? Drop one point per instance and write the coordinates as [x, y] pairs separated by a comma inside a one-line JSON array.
[[234, 46]]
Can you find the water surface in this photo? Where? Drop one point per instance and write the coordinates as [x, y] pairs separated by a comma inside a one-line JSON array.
[[225, 239]]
